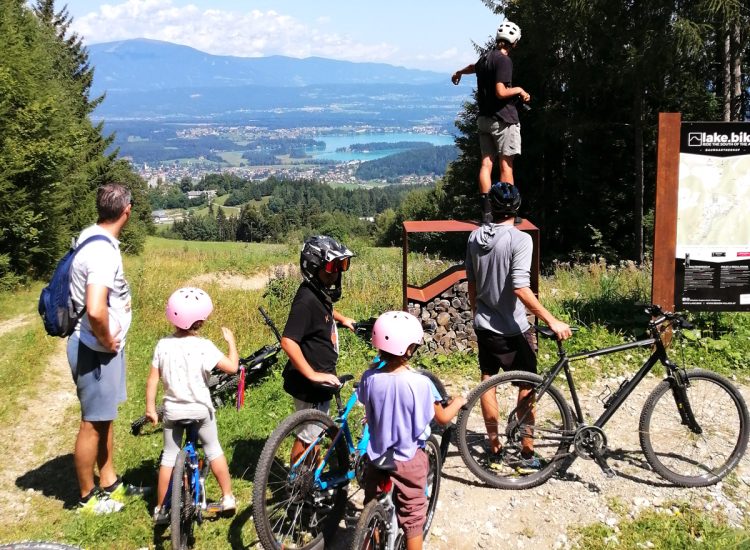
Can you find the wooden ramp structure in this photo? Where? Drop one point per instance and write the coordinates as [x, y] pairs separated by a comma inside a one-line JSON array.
[[456, 273]]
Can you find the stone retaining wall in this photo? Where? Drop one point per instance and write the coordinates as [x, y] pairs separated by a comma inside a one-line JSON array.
[[447, 320]]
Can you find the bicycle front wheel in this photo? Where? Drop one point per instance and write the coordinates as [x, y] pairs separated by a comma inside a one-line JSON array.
[[434, 470], [695, 457], [371, 532], [182, 505], [290, 510], [496, 424]]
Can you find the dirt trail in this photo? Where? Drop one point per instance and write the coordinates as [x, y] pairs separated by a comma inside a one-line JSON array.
[[41, 436], [471, 515]]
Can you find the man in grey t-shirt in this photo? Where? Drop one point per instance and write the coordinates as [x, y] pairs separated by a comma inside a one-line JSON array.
[[95, 349], [498, 268]]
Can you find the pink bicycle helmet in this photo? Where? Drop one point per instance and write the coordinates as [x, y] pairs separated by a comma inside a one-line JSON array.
[[395, 331], [188, 305]]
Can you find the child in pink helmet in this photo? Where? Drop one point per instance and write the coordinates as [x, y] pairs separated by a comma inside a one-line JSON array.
[[183, 362], [400, 403]]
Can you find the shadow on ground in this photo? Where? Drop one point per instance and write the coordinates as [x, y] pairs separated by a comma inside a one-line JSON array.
[[55, 479]]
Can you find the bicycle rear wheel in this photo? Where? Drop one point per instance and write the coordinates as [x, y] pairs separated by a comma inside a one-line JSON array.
[[371, 532], [549, 426], [289, 509], [434, 470], [676, 452], [182, 506]]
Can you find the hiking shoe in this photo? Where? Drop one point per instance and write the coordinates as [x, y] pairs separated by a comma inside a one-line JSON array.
[[161, 516], [98, 503], [528, 465], [119, 490]]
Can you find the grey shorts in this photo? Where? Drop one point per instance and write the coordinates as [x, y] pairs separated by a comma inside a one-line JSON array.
[[311, 431], [208, 435], [99, 379], [498, 138]]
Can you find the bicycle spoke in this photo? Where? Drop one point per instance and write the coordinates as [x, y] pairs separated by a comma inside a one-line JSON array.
[[511, 438], [680, 454]]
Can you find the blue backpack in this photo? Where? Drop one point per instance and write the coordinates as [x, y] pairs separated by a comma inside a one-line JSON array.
[[55, 303]]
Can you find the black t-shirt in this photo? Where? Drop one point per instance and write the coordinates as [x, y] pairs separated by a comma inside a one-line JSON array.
[[492, 68], [312, 326]]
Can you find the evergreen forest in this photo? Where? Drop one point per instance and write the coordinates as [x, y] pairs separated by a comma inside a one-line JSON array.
[[599, 73]]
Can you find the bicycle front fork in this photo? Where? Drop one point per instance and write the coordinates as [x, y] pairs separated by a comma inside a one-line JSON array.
[[679, 383]]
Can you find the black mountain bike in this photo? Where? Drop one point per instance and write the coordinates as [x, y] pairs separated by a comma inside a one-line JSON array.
[[223, 386], [693, 427]]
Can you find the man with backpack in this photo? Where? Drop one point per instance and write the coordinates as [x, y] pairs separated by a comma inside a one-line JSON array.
[[101, 297], [497, 123]]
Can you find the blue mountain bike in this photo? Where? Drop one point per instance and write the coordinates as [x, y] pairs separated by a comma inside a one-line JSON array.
[[299, 501], [186, 495]]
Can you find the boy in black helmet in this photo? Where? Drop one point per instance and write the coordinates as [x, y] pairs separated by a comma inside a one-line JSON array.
[[498, 269], [310, 338]]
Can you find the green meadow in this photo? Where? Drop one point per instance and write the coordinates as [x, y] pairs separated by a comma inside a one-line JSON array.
[[599, 298]]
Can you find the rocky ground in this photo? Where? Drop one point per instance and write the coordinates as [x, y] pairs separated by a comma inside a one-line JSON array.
[[472, 515]]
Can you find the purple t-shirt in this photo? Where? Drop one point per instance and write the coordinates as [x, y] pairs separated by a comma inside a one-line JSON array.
[[399, 407]]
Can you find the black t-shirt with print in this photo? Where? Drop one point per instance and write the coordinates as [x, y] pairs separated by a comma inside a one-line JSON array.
[[492, 68], [312, 326]]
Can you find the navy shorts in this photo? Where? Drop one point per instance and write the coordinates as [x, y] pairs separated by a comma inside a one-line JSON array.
[[100, 380], [506, 352]]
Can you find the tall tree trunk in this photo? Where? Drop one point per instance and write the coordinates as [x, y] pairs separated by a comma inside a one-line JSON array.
[[638, 159], [736, 70], [727, 68]]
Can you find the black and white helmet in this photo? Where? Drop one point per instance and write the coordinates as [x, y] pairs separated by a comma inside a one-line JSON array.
[[505, 199], [322, 251], [509, 32]]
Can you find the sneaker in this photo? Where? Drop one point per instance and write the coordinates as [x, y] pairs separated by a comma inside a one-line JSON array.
[[119, 490], [228, 505], [528, 465], [98, 503], [161, 516]]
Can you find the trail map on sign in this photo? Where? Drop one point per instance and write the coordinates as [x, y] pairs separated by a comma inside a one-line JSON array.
[[714, 194], [712, 255]]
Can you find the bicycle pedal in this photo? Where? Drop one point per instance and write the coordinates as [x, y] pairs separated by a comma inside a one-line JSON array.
[[214, 508]]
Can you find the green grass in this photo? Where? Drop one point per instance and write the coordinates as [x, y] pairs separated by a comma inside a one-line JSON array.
[[681, 527], [598, 298]]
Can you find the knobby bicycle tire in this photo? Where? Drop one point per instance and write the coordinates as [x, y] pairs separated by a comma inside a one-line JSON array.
[[137, 425], [678, 454], [288, 511], [434, 471], [550, 431], [181, 521], [371, 532]]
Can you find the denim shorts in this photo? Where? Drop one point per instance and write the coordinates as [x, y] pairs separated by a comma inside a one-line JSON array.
[[498, 137], [100, 380]]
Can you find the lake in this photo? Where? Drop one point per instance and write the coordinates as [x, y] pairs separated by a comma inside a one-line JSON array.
[[334, 142]]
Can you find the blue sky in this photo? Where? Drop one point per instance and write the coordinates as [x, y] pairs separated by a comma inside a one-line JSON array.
[[435, 35]]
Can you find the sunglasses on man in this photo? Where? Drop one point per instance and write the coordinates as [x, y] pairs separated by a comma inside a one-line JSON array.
[[336, 266]]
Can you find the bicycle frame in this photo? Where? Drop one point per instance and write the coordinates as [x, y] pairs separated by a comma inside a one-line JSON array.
[[199, 495], [356, 450], [616, 399]]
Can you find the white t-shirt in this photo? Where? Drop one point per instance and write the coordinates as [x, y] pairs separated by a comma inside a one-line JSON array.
[[185, 365], [100, 263]]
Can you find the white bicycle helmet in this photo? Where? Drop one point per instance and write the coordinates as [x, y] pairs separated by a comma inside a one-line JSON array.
[[510, 32]]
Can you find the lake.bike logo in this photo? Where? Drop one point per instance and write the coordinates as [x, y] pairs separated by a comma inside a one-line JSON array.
[[719, 139]]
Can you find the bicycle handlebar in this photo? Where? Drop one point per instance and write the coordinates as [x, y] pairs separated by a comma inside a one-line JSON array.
[[661, 316]]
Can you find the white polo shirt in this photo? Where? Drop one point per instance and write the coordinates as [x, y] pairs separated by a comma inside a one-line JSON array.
[[100, 263]]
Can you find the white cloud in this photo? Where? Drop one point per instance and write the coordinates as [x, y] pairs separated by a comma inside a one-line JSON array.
[[251, 33]]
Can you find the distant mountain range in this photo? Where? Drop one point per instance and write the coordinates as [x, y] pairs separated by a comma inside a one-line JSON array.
[[142, 65], [149, 79]]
